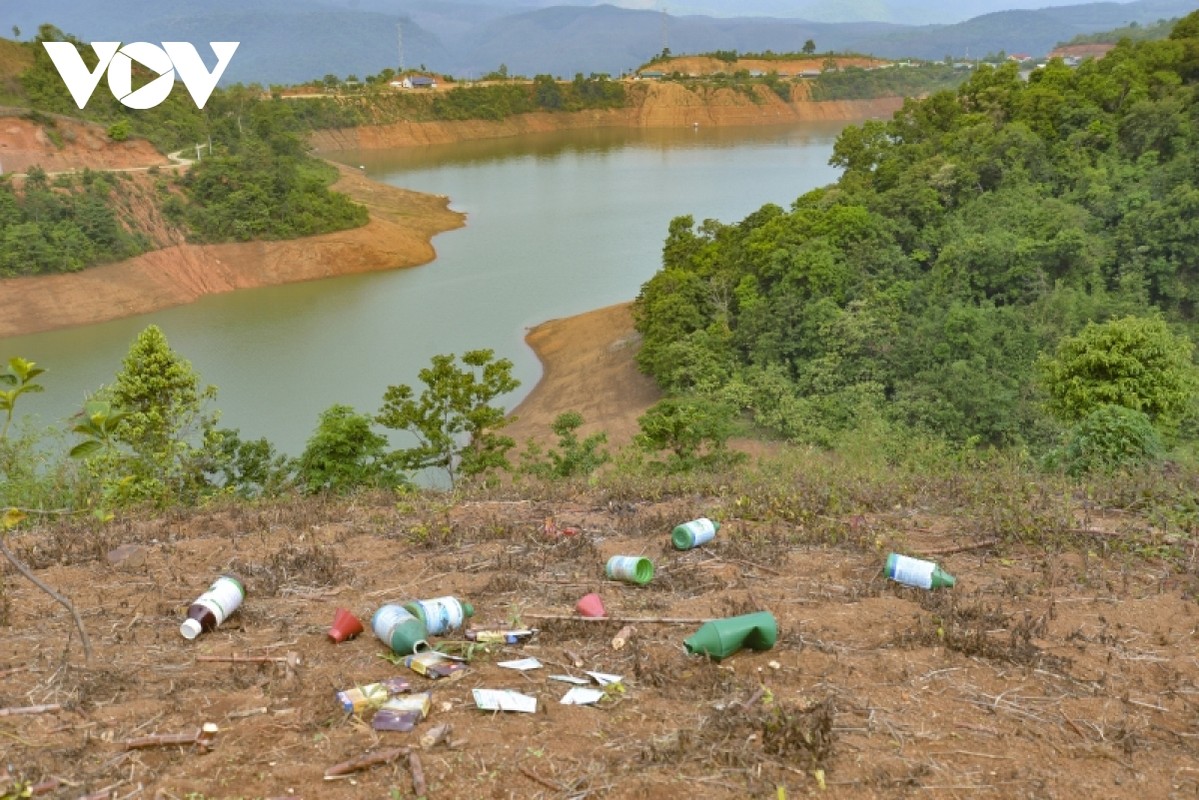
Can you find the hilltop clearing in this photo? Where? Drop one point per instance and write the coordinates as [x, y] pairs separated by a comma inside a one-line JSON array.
[[61, 144], [1060, 672], [707, 65]]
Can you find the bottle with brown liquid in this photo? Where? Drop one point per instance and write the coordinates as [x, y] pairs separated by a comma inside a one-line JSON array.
[[213, 607]]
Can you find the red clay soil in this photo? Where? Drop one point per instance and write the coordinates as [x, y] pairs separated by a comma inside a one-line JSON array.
[[1064, 674]]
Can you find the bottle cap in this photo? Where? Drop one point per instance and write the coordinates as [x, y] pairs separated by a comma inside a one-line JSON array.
[[190, 628], [468, 610]]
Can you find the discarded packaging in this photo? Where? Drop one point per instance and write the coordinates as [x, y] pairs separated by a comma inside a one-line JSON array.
[[433, 664], [694, 533], [521, 664], [441, 614], [569, 679], [918, 573], [402, 713], [604, 678], [345, 625], [501, 636], [213, 607], [591, 605], [630, 569], [582, 696], [397, 628], [720, 638], [372, 695], [504, 700]]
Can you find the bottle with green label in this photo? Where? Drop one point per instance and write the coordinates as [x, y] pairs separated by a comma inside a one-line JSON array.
[[917, 572], [694, 533], [397, 628], [213, 607]]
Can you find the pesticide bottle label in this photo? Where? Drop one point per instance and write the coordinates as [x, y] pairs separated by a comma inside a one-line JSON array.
[[633, 569], [442, 614], [693, 533], [222, 598], [387, 618], [911, 571]]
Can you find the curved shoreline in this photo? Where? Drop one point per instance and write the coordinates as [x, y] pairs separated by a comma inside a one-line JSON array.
[[402, 223], [398, 234]]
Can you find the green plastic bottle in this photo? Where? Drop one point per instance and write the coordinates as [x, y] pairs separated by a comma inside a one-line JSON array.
[[630, 569], [694, 533], [720, 638], [397, 628], [441, 614], [916, 572]]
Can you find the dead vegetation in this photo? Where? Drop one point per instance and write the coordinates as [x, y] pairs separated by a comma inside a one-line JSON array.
[[1059, 671]]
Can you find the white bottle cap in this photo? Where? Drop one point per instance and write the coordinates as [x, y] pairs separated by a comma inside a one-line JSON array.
[[190, 628]]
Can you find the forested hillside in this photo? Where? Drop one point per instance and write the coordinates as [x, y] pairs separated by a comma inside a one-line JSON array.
[[996, 264], [254, 180]]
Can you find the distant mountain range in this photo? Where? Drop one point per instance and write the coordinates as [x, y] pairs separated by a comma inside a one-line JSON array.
[[290, 41]]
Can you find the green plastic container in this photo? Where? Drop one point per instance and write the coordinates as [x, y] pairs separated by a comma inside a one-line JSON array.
[[721, 638], [630, 569], [694, 533], [397, 628]]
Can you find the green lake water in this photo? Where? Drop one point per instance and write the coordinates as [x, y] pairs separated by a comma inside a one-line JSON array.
[[557, 224]]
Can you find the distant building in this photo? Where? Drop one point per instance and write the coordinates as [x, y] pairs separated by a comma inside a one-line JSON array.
[[651, 74], [1074, 53], [414, 82], [1019, 58]]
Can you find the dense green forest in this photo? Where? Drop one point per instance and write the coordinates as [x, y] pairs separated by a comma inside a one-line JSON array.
[[855, 83], [254, 180], [986, 251], [62, 226]]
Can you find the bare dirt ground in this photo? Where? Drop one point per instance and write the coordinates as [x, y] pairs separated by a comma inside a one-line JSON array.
[[1064, 674], [587, 366]]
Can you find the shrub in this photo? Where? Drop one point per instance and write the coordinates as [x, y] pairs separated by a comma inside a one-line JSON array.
[[1108, 439]]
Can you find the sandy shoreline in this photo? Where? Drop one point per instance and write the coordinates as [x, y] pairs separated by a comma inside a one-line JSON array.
[[588, 366]]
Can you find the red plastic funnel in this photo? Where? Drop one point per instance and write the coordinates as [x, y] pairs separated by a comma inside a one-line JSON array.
[[591, 605], [345, 625]]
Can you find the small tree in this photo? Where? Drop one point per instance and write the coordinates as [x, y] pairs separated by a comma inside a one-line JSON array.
[[809, 47], [165, 424], [345, 454], [18, 376], [453, 420], [572, 457], [694, 433], [1133, 362], [1108, 439]]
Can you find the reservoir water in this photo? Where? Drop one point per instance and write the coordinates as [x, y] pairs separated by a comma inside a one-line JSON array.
[[557, 224]]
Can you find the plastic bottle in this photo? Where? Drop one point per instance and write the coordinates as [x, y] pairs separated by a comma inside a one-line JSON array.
[[694, 533], [631, 569], [397, 628], [720, 638], [441, 614], [213, 607], [918, 573]]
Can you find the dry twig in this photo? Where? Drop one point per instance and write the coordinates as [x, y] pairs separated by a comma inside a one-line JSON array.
[[364, 762], [201, 738]]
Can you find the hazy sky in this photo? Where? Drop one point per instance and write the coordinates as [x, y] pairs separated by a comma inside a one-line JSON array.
[[899, 11]]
